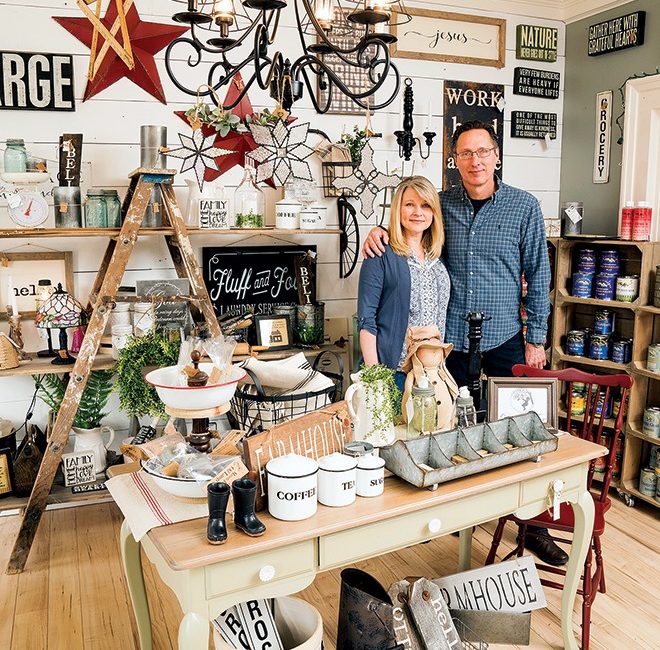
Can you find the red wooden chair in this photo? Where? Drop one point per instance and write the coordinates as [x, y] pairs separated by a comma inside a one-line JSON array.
[[598, 391]]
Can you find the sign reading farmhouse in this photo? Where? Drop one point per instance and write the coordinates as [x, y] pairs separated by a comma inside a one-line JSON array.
[[536, 43], [528, 124], [536, 83], [35, 81], [617, 34]]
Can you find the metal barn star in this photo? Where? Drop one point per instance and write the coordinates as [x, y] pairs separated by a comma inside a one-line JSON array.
[[281, 152], [366, 181], [198, 153]]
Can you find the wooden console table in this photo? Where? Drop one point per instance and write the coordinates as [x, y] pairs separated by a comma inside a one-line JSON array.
[[207, 579]]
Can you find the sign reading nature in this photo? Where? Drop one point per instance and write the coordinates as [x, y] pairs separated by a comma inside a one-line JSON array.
[[617, 34], [536, 43], [464, 101]]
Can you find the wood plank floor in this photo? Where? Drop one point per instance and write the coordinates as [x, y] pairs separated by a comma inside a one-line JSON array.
[[73, 596]]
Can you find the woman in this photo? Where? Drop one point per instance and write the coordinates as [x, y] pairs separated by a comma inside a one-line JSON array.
[[409, 284]]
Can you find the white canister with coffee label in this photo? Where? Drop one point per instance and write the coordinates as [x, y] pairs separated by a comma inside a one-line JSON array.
[[292, 487], [287, 214], [337, 479]]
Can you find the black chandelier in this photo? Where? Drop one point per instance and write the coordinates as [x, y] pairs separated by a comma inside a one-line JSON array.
[[354, 32]]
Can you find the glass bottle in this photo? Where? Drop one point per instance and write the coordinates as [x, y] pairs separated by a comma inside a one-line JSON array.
[[15, 156], [113, 208], [248, 202], [425, 412], [96, 212], [466, 415]]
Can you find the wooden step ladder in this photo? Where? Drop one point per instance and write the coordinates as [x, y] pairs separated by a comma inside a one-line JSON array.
[[102, 299]]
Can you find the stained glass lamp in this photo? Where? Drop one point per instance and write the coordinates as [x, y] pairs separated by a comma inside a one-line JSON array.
[[60, 311]]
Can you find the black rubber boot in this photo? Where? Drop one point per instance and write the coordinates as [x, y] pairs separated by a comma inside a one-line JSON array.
[[245, 493], [218, 497], [365, 614]]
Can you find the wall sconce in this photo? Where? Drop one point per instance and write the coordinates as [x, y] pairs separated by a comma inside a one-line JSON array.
[[60, 311], [405, 139]]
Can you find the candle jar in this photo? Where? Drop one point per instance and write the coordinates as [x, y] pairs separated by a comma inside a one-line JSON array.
[[121, 314], [120, 336], [68, 212], [113, 208], [15, 156], [96, 212], [248, 203]]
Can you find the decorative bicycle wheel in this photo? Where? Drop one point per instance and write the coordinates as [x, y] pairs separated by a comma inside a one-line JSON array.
[[349, 239]]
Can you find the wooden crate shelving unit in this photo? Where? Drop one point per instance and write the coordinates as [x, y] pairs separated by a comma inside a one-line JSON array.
[[638, 320]]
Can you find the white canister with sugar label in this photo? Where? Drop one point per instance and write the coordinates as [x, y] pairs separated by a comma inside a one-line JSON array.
[[370, 476], [308, 219]]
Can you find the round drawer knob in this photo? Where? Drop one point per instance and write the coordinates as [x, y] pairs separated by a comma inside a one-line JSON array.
[[266, 573], [435, 525]]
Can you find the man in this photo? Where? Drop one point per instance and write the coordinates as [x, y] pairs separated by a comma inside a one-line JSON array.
[[493, 233]]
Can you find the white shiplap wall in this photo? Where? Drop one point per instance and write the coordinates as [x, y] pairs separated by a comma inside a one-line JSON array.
[[110, 123]]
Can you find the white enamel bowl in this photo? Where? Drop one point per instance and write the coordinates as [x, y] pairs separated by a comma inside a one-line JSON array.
[[195, 398], [179, 487]]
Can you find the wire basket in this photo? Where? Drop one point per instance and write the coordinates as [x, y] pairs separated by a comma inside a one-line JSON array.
[[332, 170], [465, 633], [256, 411]]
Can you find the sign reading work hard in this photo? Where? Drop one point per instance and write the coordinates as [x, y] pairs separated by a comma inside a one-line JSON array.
[[536, 43], [36, 81], [617, 34], [529, 124], [504, 587], [536, 83]]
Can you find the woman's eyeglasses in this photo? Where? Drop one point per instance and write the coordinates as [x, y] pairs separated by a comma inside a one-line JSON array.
[[481, 153]]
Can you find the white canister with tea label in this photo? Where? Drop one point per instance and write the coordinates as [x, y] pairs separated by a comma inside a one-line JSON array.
[[292, 487], [308, 219], [370, 476], [287, 214], [337, 479], [321, 215]]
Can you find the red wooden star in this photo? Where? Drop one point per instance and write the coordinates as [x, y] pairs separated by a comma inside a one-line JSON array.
[[146, 39]]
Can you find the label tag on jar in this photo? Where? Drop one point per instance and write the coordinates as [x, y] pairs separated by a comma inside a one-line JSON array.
[[573, 214]]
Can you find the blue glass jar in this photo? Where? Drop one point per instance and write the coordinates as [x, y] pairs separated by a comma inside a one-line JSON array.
[[96, 212], [15, 156], [113, 208]]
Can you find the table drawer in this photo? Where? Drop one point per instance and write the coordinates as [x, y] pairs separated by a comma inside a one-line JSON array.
[[385, 536], [268, 567], [536, 489]]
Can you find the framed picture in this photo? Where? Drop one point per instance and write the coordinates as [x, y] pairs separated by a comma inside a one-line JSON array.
[[455, 38], [273, 331], [20, 274], [508, 396]]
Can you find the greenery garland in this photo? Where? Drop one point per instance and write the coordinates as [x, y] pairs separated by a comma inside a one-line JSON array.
[[136, 396], [383, 412]]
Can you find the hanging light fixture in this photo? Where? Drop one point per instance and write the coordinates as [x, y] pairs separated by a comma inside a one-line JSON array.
[[220, 29]]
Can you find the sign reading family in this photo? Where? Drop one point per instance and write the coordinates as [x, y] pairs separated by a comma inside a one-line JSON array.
[[35, 81], [536, 43], [536, 83], [617, 34]]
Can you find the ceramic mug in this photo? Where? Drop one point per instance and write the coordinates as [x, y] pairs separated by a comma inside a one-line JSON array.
[[337, 480], [370, 476]]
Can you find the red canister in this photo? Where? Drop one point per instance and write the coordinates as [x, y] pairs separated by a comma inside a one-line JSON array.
[[626, 226], [641, 230]]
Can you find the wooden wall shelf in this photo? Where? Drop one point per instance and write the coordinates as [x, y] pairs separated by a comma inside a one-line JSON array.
[[113, 232], [40, 366]]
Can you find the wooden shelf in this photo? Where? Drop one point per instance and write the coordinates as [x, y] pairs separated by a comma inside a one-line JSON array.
[[597, 363], [639, 368], [113, 232], [650, 309], [562, 413], [563, 297], [633, 491], [59, 497], [634, 430], [39, 366]]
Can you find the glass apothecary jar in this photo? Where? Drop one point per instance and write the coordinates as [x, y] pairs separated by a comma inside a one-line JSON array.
[[15, 156], [248, 202], [424, 416], [113, 208], [96, 211]]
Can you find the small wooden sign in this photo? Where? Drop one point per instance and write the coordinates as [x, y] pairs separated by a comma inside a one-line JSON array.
[[529, 124], [617, 34], [318, 434], [70, 159], [167, 312], [536, 43], [259, 625], [536, 83], [214, 213], [603, 137], [403, 623], [78, 468], [35, 81], [90, 487]]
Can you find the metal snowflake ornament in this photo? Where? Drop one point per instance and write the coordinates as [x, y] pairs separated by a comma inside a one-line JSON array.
[[281, 152], [366, 181], [198, 153]]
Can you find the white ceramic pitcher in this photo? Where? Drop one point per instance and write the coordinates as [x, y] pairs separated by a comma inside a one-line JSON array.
[[92, 440], [366, 406]]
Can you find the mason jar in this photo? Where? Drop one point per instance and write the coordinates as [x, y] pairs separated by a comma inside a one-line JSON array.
[[96, 211], [15, 155], [113, 208]]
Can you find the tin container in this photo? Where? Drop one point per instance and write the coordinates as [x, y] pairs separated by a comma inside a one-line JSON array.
[[651, 422], [358, 448], [609, 262], [578, 403], [572, 213], [152, 139], [627, 288], [586, 260], [622, 350], [599, 346], [370, 476], [607, 409], [656, 287], [647, 481], [654, 456], [292, 487], [603, 321], [287, 214], [337, 477], [308, 219], [657, 484], [653, 358], [576, 343], [68, 210], [582, 284], [642, 216], [604, 286]]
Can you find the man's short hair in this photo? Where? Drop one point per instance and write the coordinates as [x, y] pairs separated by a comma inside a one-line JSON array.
[[471, 126]]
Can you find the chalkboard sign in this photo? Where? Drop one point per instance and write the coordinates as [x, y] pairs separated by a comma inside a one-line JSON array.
[[536, 83], [536, 42], [175, 313], [617, 34], [528, 124], [258, 277]]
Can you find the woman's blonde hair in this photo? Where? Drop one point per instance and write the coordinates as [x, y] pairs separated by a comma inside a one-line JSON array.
[[434, 236]]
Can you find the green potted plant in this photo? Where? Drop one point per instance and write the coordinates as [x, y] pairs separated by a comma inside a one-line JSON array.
[[355, 142]]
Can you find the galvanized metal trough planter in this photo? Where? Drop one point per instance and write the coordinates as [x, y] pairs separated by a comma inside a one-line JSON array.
[[439, 457]]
